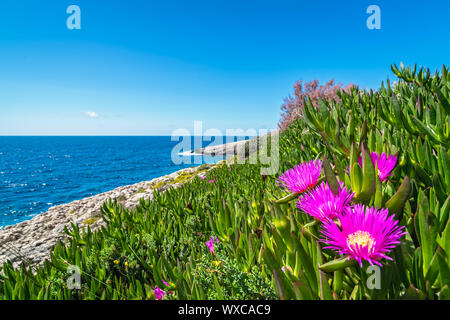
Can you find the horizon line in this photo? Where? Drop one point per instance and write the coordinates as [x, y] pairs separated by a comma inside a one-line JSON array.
[[131, 135]]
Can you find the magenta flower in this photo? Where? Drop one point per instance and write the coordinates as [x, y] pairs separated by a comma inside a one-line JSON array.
[[159, 293], [321, 203], [284, 268], [167, 285], [365, 234], [211, 181], [210, 244], [203, 177], [386, 163], [302, 177]]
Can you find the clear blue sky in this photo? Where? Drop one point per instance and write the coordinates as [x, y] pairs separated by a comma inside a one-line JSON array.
[[149, 67]]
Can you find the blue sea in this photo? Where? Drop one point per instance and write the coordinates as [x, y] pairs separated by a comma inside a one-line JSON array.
[[39, 172]]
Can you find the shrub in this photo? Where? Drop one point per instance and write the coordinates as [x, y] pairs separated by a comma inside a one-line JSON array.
[[293, 105]]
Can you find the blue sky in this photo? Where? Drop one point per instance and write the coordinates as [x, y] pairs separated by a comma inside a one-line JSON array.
[[150, 67]]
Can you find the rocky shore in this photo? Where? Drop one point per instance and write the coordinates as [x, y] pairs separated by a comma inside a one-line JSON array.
[[221, 150], [233, 148], [31, 241]]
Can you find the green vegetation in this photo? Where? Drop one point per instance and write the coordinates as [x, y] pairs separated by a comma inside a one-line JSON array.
[[160, 184], [270, 250], [140, 190], [184, 177], [91, 220]]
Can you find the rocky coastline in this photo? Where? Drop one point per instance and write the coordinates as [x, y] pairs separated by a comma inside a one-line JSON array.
[[234, 148], [31, 241]]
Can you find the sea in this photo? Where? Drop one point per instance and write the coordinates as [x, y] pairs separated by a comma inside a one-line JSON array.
[[39, 172]]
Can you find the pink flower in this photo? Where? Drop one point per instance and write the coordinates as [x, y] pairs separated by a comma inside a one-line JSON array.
[[365, 234], [321, 203], [284, 268], [302, 177], [211, 181], [210, 244], [159, 293], [203, 177], [386, 163]]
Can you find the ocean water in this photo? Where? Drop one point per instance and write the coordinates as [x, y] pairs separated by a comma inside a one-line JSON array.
[[39, 172]]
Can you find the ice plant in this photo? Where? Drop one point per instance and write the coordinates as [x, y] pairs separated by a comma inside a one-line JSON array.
[[210, 244], [366, 233], [322, 204], [159, 293], [301, 177], [167, 285], [384, 162]]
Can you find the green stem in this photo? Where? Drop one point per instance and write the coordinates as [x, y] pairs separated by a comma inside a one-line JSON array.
[[337, 264], [287, 198]]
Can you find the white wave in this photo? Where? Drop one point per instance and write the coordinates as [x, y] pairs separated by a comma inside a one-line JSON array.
[[189, 153]]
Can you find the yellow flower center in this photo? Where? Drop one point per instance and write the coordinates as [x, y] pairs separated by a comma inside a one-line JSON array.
[[361, 238]]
